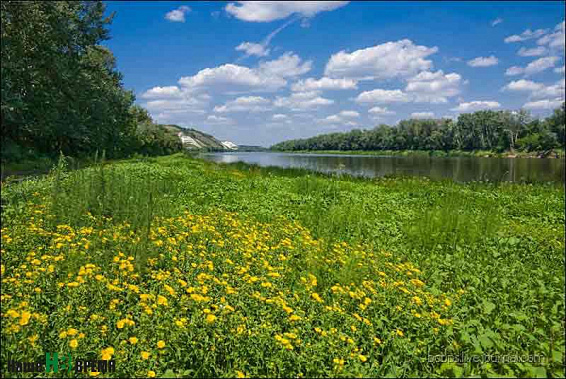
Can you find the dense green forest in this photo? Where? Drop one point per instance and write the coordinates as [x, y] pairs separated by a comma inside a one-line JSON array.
[[482, 130], [61, 91]]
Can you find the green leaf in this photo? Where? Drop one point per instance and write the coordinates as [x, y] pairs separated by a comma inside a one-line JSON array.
[[169, 374], [485, 341], [488, 307]]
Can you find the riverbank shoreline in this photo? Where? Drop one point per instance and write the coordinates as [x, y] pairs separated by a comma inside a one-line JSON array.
[[554, 154]]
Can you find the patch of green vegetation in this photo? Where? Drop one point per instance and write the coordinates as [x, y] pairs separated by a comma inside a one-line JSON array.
[[554, 153]]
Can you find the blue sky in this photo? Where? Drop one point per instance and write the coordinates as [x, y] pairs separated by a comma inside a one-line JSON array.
[[262, 72]]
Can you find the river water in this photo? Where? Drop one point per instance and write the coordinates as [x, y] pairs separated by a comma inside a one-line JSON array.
[[462, 169]]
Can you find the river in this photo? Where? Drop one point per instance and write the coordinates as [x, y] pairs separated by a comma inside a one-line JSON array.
[[461, 169]]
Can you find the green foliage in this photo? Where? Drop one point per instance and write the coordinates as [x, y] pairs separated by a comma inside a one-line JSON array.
[[61, 91], [495, 250], [495, 131]]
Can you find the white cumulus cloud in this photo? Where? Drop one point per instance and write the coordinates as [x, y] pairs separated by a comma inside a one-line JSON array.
[[300, 101], [251, 48], [547, 104], [515, 70], [265, 11], [434, 87], [380, 111], [536, 90], [534, 67], [473, 106], [162, 92], [554, 40], [219, 119], [279, 117], [244, 104], [383, 96], [178, 15], [483, 61], [230, 78], [349, 114], [385, 61], [534, 52], [312, 84], [288, 65], [526, 35]]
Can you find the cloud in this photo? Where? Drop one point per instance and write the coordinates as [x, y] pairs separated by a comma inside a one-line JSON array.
[[231, 78], [434, 87], [219, 119], [536, 90], [177, 15], [556, 39], [383, 96], [350, 114], [300, 101], [251, 48], [184, 105], [422, 115], [265, 11], [523, 85], [337, 119], [526, 35], [540, 65], [244, 104], [173, 104], [287, 65], [534, 67], [534, 52], [280, 117], [380, 111], [546, 104], [515, 70], [262, 46], [559, 70], [497, 21], [162, 92], [483, 61], [389, 60], [473, 106], [312, 84]]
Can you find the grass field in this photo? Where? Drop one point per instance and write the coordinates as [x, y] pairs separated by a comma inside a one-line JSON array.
[[179, 267]]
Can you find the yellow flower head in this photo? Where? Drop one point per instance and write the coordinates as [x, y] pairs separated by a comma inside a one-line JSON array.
[[161, 344], [210, 318], [25, 318], [161, 300], [107, 353], [145, 355]]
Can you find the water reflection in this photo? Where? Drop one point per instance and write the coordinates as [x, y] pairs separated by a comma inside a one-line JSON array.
[[457, 168]]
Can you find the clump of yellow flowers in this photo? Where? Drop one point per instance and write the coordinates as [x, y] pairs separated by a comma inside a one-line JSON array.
[[215, 293]]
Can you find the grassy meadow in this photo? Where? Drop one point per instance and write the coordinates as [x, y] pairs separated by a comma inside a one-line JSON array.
[[175, 266]]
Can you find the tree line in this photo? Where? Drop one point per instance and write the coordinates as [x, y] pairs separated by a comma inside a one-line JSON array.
[[482, 130], [61, 91]]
